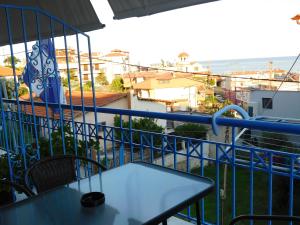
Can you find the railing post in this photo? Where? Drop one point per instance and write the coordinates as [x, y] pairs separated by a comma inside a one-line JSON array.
[[233, 172]]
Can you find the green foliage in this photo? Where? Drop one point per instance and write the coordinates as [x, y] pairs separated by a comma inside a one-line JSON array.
[[65, 82], [212, 106], [22, 91], [8, 61], [143, 124], [10, 87], [17, 169], [57, 143], [281, 184], [73, 75], [117, 85], [211, 82], [101, 79], [87, 86], [191, 130]]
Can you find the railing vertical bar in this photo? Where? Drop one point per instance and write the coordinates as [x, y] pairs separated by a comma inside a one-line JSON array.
[[202, 174], [70, 90], [61, 115], [45, 81], [270, 185], [8, 24], [151, 148], [121, 151], [104, 146], [94, 95], [131, 139], [113, 145], [81, 94], [233, 172], [217, 185], [187, 141], [175, 152], [291, 197], [251, 184], [4, 129], [141, 146]]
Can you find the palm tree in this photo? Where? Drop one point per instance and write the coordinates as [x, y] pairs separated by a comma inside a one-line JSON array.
[[8, 61]]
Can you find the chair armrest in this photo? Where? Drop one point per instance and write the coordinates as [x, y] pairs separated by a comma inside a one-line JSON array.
[[265, 218]]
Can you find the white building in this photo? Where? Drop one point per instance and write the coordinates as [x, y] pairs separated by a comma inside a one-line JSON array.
[[181, 90], [115, 64], [148, 105], [284, 104]]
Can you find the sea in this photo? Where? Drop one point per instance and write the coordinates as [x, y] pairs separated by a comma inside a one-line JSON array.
[[253, 64]]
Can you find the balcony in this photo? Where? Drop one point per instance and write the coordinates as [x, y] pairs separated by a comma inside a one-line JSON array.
[[250, 176]]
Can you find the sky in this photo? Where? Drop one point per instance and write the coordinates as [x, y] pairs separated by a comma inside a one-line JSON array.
[[226, 29]]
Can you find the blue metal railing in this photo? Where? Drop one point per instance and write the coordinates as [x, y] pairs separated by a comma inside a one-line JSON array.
[[26, 137]]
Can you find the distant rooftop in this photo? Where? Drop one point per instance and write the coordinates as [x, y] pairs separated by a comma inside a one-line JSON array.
[[171, 83], [8, 72], [102, 99]]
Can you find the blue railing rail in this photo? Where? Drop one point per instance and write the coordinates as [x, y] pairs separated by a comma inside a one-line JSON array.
[[284, 127], [237, 157]]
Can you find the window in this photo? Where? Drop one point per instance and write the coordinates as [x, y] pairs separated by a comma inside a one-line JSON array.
[[85, 67], [101, 126], [250, 111], [85, 77], [267, 103], [96, 66]]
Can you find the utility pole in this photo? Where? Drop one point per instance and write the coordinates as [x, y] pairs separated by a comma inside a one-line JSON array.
[[271, 75]]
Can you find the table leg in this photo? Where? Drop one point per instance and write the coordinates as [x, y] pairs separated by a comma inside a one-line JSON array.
[[165, 222], [198, 213]]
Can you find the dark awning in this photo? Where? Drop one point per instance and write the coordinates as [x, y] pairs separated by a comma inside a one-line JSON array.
[[136, 8], [80, 14]]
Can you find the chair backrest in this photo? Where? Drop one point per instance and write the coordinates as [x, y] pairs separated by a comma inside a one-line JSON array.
[[6, 190], [55, 171], [280, 218]]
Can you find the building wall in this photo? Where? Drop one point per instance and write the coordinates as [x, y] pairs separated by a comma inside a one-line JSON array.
[[285, 103], [105, 117], [114, 69], [144, 105], [189, 93]]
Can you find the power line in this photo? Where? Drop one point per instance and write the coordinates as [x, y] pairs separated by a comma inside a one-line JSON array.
[[286, 76], [199, 74], [193, 73]]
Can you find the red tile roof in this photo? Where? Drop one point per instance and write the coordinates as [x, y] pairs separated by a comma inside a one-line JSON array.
[[117, 53], [102, 99], [8, 72], [151, 84]]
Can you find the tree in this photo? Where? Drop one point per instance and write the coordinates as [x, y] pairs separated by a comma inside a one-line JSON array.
[[191, 130], [8, 61], [117, 85], [73, 74], [65, 82], [211, 82], [143, 124], [23, 91], [101, 79], [87, 86]]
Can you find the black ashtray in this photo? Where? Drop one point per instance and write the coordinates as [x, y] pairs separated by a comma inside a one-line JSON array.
[[92, 199]]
